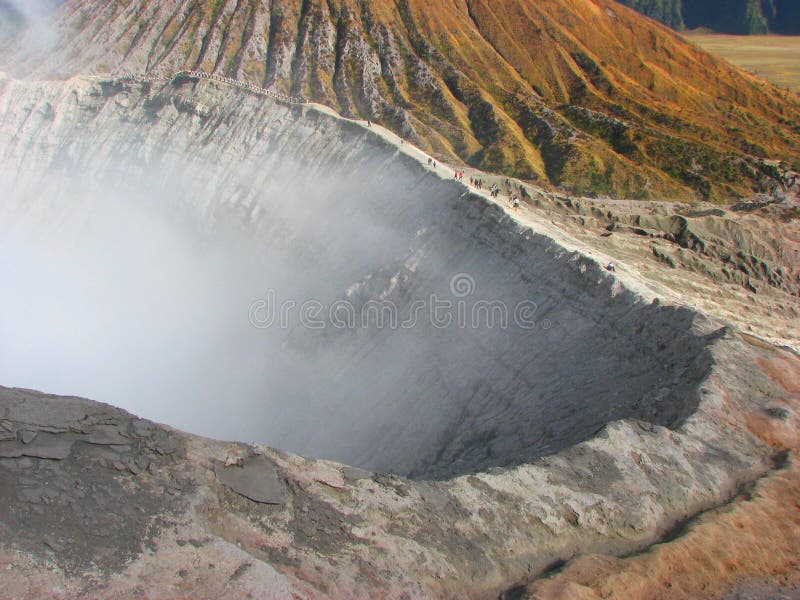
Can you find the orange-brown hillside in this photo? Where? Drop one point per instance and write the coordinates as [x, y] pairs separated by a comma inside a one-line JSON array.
[[587, 94]]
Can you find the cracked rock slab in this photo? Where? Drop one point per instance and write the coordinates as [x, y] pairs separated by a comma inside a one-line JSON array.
[[53, 446], [257, 479]]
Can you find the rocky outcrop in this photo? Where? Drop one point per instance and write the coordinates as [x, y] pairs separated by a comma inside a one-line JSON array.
[[131, 506], [84, 482]]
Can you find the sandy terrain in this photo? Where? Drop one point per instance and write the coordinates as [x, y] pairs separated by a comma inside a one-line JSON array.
[[775, 58], [748, 549]]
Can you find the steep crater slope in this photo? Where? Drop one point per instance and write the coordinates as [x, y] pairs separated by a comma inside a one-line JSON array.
[[218, 227]]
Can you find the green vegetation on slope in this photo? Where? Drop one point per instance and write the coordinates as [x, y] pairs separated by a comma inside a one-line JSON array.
[[583, 94]]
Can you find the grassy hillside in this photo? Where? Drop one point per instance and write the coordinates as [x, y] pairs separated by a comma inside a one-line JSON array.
[[585, 94]]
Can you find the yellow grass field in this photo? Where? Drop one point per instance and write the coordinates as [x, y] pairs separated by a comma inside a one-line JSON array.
[[775, 58]]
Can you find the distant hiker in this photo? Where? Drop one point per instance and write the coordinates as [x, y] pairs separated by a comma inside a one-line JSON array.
[[434, 164], [610, 267], [369, 123], [516, 203], [430, 160]]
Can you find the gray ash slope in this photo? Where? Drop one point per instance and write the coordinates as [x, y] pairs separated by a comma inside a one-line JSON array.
[[289, 199]]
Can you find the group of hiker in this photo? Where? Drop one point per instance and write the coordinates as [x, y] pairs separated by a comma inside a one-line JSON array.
[[494, 190], [478, 184]]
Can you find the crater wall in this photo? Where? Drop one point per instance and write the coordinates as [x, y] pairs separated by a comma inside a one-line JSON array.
[[189, 218]]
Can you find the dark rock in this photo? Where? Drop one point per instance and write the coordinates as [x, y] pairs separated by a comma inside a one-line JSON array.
[[778, 412], [54, 446], [53, 544], [15, 464], [167, 446], [31, 495], [10, 450], [240, 570], [106, 435], [257, 479]]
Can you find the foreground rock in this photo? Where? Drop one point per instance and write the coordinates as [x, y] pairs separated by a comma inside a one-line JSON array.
[[119, 506]]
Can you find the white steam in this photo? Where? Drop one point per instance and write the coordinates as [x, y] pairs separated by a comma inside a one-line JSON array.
[[28, 25]]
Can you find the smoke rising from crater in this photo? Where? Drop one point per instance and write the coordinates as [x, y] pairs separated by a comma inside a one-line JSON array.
[[130, 295], [27, 26], [134, 248]]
